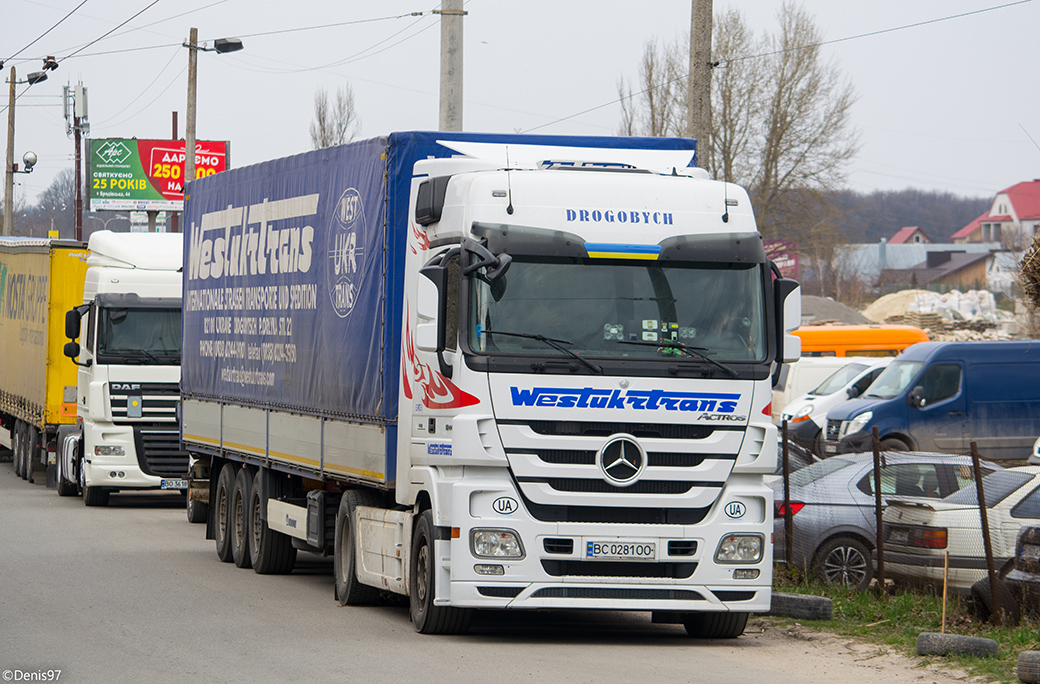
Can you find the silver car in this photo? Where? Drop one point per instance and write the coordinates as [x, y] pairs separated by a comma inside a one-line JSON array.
[[832, 503]]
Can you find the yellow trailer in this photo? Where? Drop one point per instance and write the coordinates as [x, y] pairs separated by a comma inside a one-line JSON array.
[[40, 280]]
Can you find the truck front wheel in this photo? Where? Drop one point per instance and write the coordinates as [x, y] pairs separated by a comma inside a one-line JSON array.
[[349, 591], [427, 617], [715, 625]]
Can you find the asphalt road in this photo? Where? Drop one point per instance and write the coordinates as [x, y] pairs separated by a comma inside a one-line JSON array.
[[134, 593]]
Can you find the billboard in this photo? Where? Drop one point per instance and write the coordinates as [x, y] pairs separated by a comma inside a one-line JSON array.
[[146, 175]]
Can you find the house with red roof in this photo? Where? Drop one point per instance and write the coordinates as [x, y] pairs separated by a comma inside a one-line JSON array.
[[910, 235], [1013, 218]]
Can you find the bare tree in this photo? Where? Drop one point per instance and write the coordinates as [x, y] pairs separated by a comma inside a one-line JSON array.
[[335, 123], [54, 209], [780, 113]]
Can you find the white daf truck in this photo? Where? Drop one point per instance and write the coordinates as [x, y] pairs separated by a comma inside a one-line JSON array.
[[126, 340], [489, 372]]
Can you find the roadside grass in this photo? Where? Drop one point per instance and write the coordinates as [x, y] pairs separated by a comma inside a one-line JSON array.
[[898, 617]]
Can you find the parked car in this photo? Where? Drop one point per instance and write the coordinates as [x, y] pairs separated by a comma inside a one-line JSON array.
[[832, 503], [941, 396], [919, 533], [806, 415], [801, 376], [1018, 581]]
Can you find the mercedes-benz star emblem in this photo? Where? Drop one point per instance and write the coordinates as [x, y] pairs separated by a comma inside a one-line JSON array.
[[622, 460]]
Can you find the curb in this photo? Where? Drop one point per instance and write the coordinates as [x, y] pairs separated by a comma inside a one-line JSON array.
[[934, 643], [802, 606]]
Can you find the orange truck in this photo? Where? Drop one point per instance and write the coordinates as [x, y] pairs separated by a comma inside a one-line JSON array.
[[858, 340], [40, 280]]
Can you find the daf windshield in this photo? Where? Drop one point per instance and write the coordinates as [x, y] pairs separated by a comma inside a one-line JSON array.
[[139, 335], [894, 380], [597, 307]]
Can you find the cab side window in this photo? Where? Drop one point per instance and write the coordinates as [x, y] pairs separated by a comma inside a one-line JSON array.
[[940, 382], [90, 328]]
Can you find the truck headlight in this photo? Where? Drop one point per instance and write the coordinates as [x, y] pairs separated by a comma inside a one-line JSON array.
[[851, 427], [108, 451], [495, 543], [739, 548]]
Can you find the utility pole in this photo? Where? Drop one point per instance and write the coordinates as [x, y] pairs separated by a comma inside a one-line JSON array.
[[698, 116], [189, 124], [175, 214], [451, 64], [9, 168]]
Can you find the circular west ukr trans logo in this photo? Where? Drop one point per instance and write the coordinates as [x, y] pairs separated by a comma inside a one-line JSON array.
[[345, 252]]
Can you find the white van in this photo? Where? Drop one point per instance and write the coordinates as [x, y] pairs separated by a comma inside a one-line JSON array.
[[806, 415], [803, 375]]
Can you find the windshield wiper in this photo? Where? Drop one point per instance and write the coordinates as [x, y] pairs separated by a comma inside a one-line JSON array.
[[555, 344], [694, 352]]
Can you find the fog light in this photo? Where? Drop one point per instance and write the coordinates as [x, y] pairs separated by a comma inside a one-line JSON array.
[[113, 474], [739, 548], [489, 569], [746, 573], [495, 543], [108, 451]]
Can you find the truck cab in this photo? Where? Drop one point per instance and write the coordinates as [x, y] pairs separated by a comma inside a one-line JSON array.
[[128, 352]]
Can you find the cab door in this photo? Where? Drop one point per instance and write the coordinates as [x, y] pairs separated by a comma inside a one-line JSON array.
[[937, 416]]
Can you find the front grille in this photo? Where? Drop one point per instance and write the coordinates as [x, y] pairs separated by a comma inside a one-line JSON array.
[[615, 514], [653, 459], [577, 568], [596, 429], [562, 484], [620, 594], [833, 430], [146, 402], [158, 451], [500, 592]]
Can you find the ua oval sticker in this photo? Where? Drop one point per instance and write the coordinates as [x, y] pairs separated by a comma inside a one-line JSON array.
[[735, 509], [504, 505]]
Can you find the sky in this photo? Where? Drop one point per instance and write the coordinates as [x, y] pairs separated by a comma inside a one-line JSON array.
[[945, 103]]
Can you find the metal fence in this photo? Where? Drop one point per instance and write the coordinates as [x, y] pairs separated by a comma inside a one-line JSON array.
[[941, 522]]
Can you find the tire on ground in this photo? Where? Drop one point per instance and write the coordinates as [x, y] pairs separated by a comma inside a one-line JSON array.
[[196, 511], [981, 601], [222, 521], [714, 625], [270, 552], [65, 486], [844, 561], [894, 444], [16, 447], [428, 618], [802, 606], [1029, 667], [349, 591], [934, 643]]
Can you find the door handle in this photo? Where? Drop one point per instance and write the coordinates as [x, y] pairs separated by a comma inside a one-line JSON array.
[[956, 413]]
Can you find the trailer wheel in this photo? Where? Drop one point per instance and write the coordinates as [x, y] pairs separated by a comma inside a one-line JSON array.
[[349, 591], [270, 552], [20, 468], [225, 485], [32, 446], [714, 625], [240, 518], [427, 617]]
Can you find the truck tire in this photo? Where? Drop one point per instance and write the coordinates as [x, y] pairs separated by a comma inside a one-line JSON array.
[[196, 510], [714, 625], [1028, 667], [66, 487], [222, 511], [95, 496], [240, 518], [349, 591], [32, 447], [18, 439], [270, 552], [428, 618], [983, 605]]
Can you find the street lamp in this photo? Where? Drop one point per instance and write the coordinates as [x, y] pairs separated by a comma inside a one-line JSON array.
[[220, 46], [11, 168]]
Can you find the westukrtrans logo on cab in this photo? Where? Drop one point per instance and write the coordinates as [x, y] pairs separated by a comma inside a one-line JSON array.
[[640, 400]]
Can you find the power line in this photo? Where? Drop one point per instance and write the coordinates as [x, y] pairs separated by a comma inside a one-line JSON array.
[[73, 11], [778, 52], [106, 34]]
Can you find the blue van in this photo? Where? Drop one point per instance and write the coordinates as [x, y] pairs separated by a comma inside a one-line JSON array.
[[941, 396]]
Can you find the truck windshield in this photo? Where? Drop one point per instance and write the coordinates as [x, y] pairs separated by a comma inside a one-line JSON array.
[[139, 335], [594, 306], [894, 379]]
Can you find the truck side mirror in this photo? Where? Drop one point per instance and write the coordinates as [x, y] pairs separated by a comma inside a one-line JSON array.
[[916, 397], [71, 349], [431, 310], [788, 305], [72, 317]]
